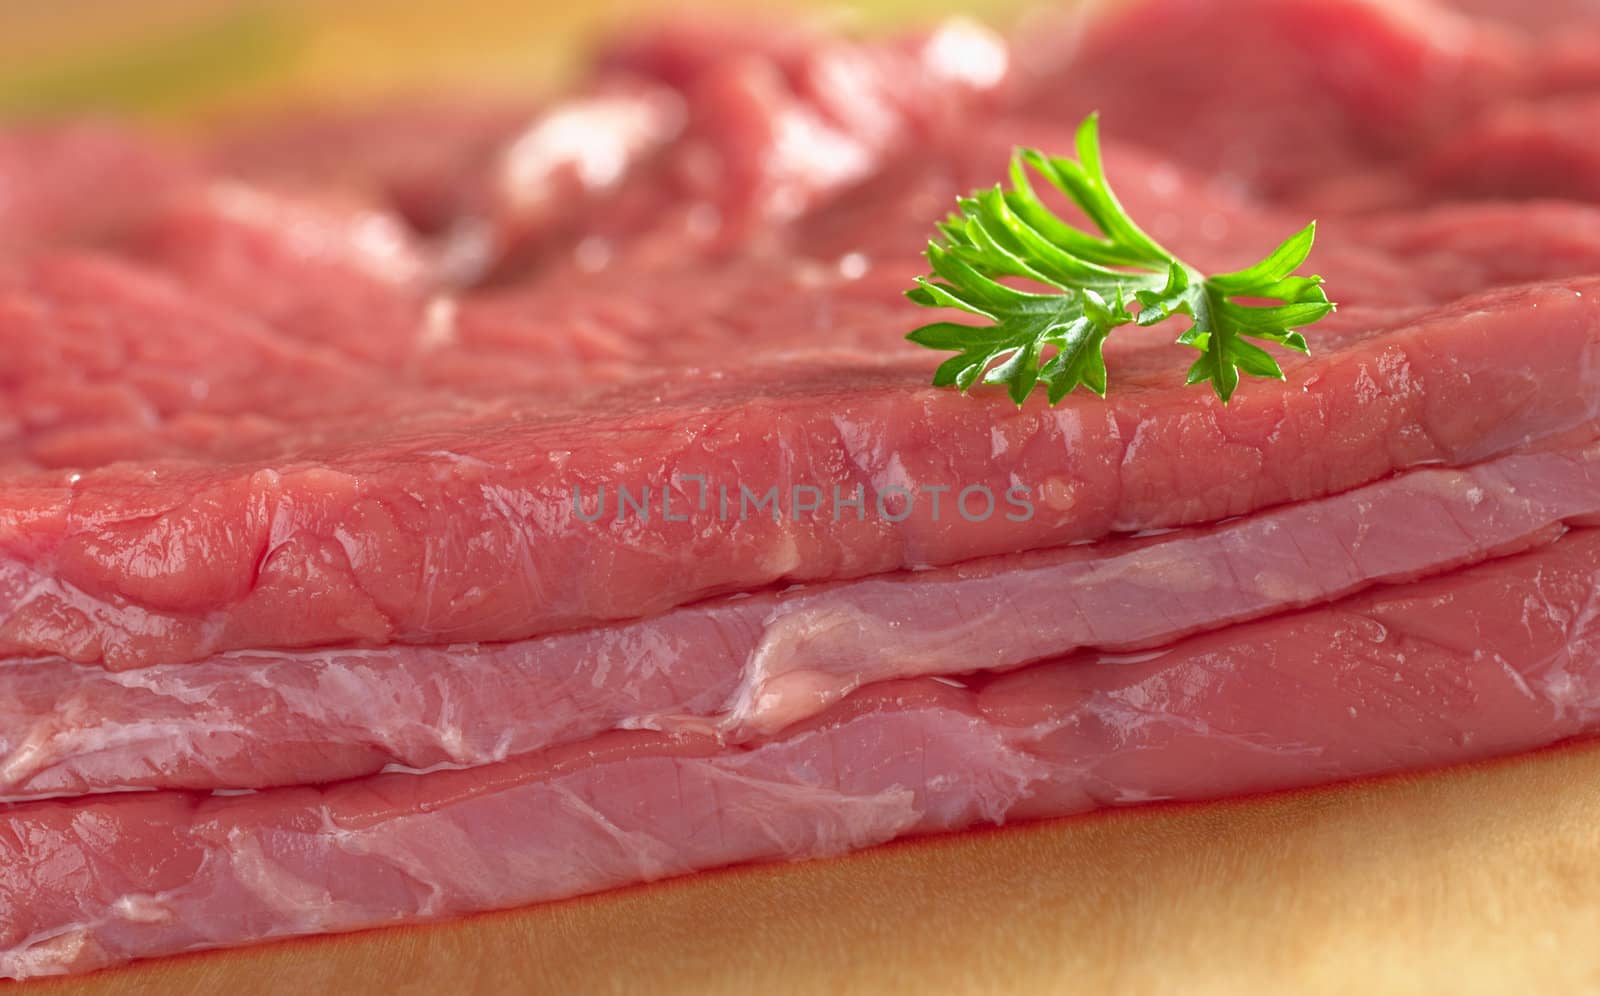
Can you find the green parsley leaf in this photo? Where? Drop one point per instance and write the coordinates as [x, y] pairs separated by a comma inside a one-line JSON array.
[[1057, 337]]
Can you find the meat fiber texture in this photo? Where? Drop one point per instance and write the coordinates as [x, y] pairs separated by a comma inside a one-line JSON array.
[[1497, 658], [750, 666], [363, 548]]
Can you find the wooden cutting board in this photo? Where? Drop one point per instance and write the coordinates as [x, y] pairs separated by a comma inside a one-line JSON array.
[[1483, 879]]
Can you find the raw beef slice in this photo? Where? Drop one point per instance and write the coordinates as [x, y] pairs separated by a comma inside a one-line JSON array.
[[1496, 658], [130, 564], [753, 665]]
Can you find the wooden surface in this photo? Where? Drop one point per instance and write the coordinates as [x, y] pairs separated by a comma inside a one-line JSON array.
[[1479, 880]]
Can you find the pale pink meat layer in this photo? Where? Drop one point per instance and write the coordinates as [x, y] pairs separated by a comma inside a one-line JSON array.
[[1495, 658], [749, 666]]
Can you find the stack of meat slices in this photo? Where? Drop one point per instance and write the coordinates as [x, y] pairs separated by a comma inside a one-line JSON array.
[[513, 510]]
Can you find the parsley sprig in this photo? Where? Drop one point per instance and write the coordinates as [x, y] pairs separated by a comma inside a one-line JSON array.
[[1057, 339]]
